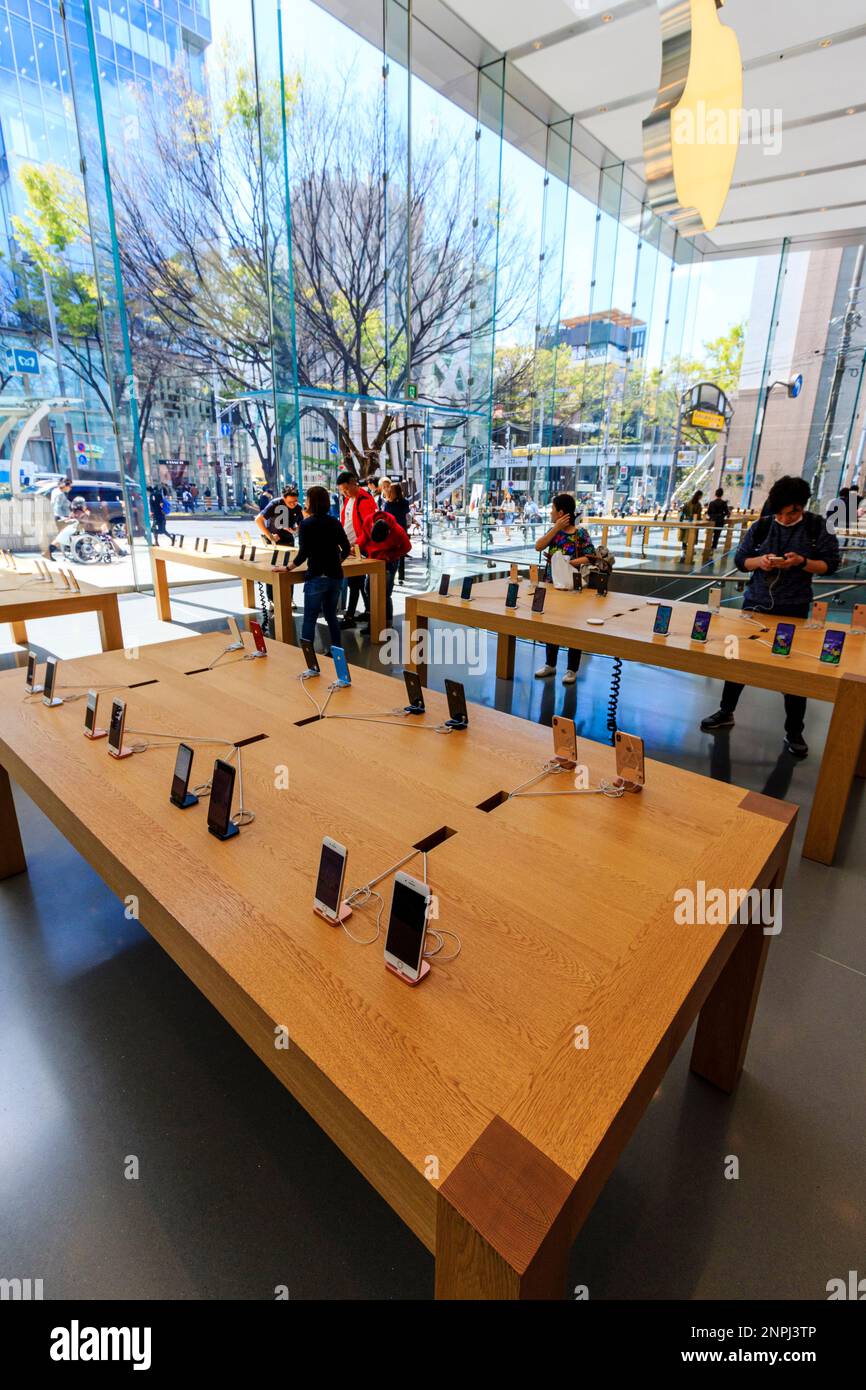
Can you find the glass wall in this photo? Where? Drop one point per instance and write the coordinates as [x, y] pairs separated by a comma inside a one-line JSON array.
[[252, 242]]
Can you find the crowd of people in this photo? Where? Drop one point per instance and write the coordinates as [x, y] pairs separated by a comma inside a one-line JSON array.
[[370, 519]]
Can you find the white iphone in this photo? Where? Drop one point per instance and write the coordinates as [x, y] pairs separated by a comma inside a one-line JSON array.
[[329, 884], [407, 926], [235, 634]]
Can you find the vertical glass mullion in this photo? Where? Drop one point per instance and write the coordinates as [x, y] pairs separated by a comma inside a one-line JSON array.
[[397, 196], [272, 100], [117, 353], [549, 303], [603, 269], [490, 112], [766, 370]]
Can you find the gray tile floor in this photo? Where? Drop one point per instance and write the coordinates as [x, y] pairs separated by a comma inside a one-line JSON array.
[[107, 1051]]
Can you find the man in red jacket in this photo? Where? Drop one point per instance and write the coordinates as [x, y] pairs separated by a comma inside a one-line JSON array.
[[357, 514], [386, 540]]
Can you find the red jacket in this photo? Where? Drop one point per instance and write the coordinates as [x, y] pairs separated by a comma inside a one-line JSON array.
[[364, 515], [394, 547]]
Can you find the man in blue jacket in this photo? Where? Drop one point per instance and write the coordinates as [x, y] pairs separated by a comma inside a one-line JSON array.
[[781, 551]]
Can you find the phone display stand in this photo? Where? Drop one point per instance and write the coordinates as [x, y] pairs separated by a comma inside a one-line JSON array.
[[425, 971], [229, 833], [456, 724], [253, 656], [52, 703], [242, 815], [857, 632], [342, 916], [95, 733], [627, 786], [414, 709], [814, 625], [34, 689], [189, 800], [124, 753]]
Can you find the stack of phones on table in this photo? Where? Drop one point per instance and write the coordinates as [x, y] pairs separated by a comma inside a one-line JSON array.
[[630, 761]]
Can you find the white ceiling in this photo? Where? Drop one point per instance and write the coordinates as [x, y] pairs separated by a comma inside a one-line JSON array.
[[812, 183]]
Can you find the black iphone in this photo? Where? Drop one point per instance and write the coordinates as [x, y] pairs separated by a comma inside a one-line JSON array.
[[445, 585], [466, 587], [219, 811], [456, 705], [180, 781], [538, 599], [310, 657], [511, 595], [415, 691]]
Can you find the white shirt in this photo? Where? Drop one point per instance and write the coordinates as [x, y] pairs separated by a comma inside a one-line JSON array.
[[348, 523]]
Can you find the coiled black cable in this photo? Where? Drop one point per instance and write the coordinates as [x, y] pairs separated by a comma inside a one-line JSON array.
[[613, 699], [263, 604]]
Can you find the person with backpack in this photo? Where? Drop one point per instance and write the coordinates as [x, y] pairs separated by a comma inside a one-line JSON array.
[[781, 552], [387, 540]]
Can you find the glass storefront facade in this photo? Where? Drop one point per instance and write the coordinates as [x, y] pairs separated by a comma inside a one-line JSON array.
[[250, 244]]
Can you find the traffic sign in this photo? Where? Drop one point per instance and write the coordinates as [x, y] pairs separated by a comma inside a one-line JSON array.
[[412, 391], [706, 420], [22, 361]]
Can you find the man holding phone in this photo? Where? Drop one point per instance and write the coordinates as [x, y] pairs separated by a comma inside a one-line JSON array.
[[781, 552]]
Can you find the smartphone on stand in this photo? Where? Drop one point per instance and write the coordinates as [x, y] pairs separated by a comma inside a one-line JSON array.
[[407, 929], [466, 588], [858, 620], [701, 626], [818, 616], [783, 639], [30, 678], [116, 726], [630, 761], [219, 810], [313, 667], [662, 624], [511, 595], [258, 638], [538, 598], [48, 696], [341, 667], [834, 643], [328, 896], [457, 711], [180, 794], [90, 715], [564, 742], [415, 691], [444, 585]]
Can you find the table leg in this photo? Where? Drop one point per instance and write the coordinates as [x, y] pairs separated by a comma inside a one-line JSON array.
[[378, 611], [248, 589], [502, 1227], [725, 1021], [19, 633], [843, 756], [860, 769], [629, 532], [110, 630], [284, 623], [160, 588], [416, 641], [12, 859], [691, 537], [506, 646]]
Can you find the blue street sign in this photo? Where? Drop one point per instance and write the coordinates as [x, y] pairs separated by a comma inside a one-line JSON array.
[[795, 388], [225, 428], [332, 450], [22, 361]]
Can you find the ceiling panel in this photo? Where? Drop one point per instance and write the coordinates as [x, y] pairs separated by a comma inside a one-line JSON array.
[[805, 224], [789, 195], [805, 147], [825, 79], [601, 66], [511, 23], [768, 26]]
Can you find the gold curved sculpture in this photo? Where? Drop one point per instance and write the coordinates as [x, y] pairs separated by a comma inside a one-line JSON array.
[[692, 135]]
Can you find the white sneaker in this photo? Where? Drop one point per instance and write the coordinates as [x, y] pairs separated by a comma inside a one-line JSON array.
[[569, 678], [544, 672]]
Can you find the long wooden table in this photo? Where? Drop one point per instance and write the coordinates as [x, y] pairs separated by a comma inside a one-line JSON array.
[[628, 633], [24, 598], [223, 561], [689, 529], [470, 1102]]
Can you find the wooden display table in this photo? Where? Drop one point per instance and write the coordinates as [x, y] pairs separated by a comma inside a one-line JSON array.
[[691, 529], [627, 633], [24, 598], [215, 562], [470, 1102]]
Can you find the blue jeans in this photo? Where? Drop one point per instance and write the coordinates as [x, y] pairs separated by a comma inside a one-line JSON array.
[[320, 596]]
